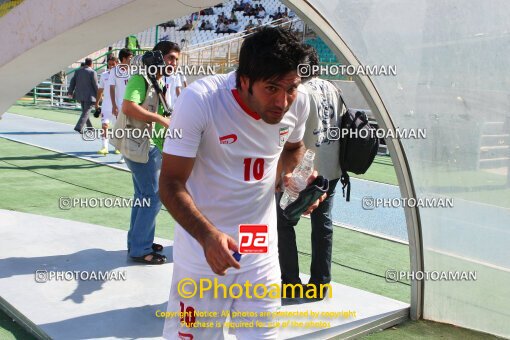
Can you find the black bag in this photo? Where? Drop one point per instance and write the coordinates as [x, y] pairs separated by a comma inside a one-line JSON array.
[[358, 146], [306, 197]]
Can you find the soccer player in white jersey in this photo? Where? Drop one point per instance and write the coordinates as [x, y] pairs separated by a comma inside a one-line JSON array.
[[173, 89], [107, 118], [183, 79], [118, 80], [222, 174]]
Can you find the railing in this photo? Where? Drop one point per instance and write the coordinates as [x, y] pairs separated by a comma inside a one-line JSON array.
[[52, 94], [223, 52], [98, 66]]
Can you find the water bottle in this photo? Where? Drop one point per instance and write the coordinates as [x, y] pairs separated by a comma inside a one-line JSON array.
[[299, 180]]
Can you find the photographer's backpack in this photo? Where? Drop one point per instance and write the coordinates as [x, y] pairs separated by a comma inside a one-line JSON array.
[[358, 145]]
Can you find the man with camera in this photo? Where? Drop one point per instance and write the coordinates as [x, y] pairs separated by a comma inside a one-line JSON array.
[[143, 107]]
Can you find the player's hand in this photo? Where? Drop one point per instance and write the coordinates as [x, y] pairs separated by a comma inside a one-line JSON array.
[[286, 180], [165, 121], [278, 185], [218, 248], [313, 176], [115, 110], [312, 207]]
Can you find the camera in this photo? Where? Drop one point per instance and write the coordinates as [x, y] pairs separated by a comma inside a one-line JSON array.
[[153, 58], [146, 64], [149, 58]]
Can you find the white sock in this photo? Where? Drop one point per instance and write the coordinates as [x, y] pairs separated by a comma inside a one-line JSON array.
[[105, 143]]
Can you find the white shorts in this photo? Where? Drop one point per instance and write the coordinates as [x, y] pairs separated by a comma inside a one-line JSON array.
[[175, 327], [108, 118]]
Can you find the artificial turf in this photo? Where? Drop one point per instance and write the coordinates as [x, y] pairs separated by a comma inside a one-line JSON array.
[[359, 260]]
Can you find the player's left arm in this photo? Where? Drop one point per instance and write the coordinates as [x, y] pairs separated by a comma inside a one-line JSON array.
[[291, 156], [294, 149]]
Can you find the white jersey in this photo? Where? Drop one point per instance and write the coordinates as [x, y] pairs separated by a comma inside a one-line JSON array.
[[119, 79], [172, 82], [106, 106], [236, 155], [183, 79]]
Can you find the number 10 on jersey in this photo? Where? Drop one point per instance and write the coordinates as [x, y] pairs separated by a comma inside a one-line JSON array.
[[253, 168]]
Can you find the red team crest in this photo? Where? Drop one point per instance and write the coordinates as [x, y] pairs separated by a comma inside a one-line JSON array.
[[253, 238]]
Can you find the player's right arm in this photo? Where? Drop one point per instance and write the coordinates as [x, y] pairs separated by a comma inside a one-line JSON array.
[[178, 86], [111, 81], [100, 88], [217, 246], [191, 116], [99, 97]]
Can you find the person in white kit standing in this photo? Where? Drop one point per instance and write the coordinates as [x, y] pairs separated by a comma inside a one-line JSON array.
[[222, 174], [118, 80], [119, 77], [173, 89], [107, 118]]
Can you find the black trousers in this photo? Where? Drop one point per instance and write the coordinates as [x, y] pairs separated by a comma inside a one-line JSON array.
[[321, 237], [86, 109]]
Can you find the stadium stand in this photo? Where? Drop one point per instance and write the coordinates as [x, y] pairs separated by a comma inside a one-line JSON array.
[[325, 53], [200, 47], [195, 37]]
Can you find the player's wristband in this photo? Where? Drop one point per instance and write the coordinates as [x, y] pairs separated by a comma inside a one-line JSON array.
[[306, 197]]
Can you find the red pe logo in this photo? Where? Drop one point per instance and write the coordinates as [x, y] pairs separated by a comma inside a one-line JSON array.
[[228, 139], [253, 238]]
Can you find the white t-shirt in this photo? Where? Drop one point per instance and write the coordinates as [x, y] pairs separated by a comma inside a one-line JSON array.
[[172, 82], [236, 154], [119, 79], [106, 106]]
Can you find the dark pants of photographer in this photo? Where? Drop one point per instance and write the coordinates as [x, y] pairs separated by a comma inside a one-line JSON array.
[[322, 242], [86, 109]]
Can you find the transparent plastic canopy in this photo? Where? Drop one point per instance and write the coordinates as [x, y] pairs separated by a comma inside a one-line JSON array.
[[453, 79]]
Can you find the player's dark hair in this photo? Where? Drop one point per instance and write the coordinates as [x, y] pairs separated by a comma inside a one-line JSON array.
[[270, 53], [88, 62], [111, 57], [124, 53], [166, 47]]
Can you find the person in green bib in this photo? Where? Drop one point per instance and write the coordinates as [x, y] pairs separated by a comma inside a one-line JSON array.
[[132, 43], [141, 246]]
